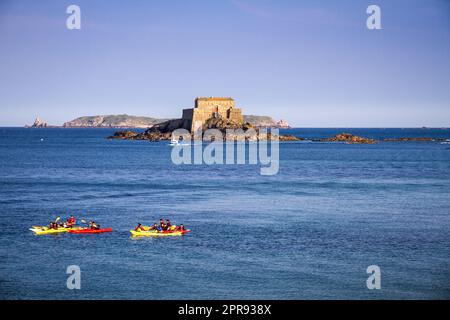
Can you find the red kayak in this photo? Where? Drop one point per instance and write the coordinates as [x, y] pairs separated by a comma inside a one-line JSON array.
[[91, 230]]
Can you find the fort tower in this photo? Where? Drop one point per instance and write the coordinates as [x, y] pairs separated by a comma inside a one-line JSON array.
[[208, 107]]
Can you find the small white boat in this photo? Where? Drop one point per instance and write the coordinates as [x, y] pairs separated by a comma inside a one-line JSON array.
[[180, 142]]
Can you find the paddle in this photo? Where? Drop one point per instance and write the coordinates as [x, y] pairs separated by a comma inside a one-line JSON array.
[[56, 220], [44, 228], [85, 222]]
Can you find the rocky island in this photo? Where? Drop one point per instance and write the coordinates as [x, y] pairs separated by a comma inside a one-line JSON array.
[[349, 138], [163, 131], [418, 139], [38, 123], [209, 113]]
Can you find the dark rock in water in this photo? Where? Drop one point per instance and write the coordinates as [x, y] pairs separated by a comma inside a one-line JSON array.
[[349, 138], [290, 137], [154, 136], [123, 135], [418, 139], [168, 126], [147, 135]]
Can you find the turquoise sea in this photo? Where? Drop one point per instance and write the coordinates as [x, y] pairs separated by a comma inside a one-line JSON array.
[[308, 232]]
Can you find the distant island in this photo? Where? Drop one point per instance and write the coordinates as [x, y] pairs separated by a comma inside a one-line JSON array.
[[113, 121], [208, 113], [265, 121], [139, 122]]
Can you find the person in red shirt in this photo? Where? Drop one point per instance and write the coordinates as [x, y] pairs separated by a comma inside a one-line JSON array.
[[71, 221]]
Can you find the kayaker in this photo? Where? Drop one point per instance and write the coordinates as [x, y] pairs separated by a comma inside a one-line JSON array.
[[94, 226], [162, 224], [154, 227], [180, 228], [53, 225], [71, 221], [139, 227], [168, 224]]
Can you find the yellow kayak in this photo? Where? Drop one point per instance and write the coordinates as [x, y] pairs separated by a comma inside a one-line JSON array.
[[45, 230], [154, 233], [147, 228]]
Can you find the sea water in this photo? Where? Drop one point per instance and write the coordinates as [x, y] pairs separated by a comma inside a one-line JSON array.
[[309, 232]]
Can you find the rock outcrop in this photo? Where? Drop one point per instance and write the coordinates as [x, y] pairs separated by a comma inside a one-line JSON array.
[[224, 124], [349, 138], [168, 126], [419, 139], [146, 135], [283, 124], [163, 131], [38, 123], [290, 137], [126, 135]]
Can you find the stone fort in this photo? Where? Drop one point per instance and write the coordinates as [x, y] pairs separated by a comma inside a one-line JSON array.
[[208, 107]]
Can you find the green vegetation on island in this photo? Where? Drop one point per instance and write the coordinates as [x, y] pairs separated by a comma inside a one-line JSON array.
[[113, 121]]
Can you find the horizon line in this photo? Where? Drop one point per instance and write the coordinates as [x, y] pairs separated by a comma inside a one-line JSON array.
[[293, 127]]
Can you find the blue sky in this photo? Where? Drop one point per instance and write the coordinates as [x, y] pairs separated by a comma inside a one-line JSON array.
[[313, 63]]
